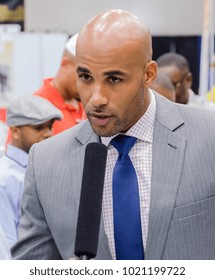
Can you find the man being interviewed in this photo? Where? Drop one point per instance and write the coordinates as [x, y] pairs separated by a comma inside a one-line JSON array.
[[164, 150]]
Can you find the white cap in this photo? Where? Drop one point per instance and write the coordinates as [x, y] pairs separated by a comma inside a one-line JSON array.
[[71, 44]]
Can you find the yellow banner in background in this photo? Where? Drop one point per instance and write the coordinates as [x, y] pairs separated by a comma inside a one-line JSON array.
[[211, 95], [7, 15]]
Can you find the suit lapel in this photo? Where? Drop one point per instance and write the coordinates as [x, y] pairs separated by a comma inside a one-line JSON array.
[[103, 252], [167, 163]]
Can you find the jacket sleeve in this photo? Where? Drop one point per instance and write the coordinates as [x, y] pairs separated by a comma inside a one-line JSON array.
[[35, 241]]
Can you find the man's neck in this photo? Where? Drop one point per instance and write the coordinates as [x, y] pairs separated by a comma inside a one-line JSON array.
[[68, 99], [73, 102]]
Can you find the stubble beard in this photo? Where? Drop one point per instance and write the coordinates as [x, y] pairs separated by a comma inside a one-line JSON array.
[[121, 126]]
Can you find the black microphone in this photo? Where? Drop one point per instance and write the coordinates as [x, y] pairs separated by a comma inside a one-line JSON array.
[[90, 206]]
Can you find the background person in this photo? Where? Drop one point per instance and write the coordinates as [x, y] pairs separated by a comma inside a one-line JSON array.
[[4, 248], [172, 158], [30, 119], [177, 68], [164, 86], [62, 90]]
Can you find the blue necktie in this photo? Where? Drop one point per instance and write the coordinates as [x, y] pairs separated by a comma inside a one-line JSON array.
[[126, 204]]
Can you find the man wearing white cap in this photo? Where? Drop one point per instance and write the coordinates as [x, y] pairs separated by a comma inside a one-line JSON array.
[[62, 90], [30, 119]]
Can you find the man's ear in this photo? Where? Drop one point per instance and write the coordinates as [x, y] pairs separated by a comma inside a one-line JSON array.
[[189, 79], [65, 60], [150, 73], [15, 132]]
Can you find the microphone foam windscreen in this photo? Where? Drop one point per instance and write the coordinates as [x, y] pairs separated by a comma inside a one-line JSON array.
[[90, 205]]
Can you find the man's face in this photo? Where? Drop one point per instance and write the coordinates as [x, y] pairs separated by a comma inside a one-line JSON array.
[[111, 87], [71, 79], [27, 135], [182, 81], [169, 94]]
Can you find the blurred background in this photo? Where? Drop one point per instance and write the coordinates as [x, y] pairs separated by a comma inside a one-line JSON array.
[[33, 35]]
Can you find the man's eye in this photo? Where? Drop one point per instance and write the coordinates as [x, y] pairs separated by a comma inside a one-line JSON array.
[[85, 77], [114, 80]]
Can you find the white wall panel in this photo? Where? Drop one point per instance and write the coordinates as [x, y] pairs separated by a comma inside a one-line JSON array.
[[26, 62], [52, 47], [35, 57], [164, 17]]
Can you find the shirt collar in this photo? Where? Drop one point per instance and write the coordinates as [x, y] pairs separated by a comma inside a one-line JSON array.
[[144, 127], [18, 155]]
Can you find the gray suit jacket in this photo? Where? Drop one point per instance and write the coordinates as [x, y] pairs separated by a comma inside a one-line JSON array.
[[182, 206]]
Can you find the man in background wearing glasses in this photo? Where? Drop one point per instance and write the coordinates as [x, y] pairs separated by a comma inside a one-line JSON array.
[[177, 68]]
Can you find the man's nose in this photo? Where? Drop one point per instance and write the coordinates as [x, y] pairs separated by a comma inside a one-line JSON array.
[[99, 96], [47, 133]]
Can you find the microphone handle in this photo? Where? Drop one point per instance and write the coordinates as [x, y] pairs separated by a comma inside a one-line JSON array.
[[83, 258]]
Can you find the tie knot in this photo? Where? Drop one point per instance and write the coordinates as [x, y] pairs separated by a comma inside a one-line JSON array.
[[123, 143]]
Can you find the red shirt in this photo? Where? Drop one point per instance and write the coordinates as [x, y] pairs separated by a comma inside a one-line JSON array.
[[3, 114], [71, 116]]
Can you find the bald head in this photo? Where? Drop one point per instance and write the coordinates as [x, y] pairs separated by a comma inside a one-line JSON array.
[[112, 29], [114, 70]]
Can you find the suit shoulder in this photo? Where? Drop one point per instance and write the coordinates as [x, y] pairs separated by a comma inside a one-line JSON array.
[[67, 137], [196, 114]]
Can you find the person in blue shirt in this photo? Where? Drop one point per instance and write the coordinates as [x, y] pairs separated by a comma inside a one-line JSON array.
[[30, 119], [4, 248]]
